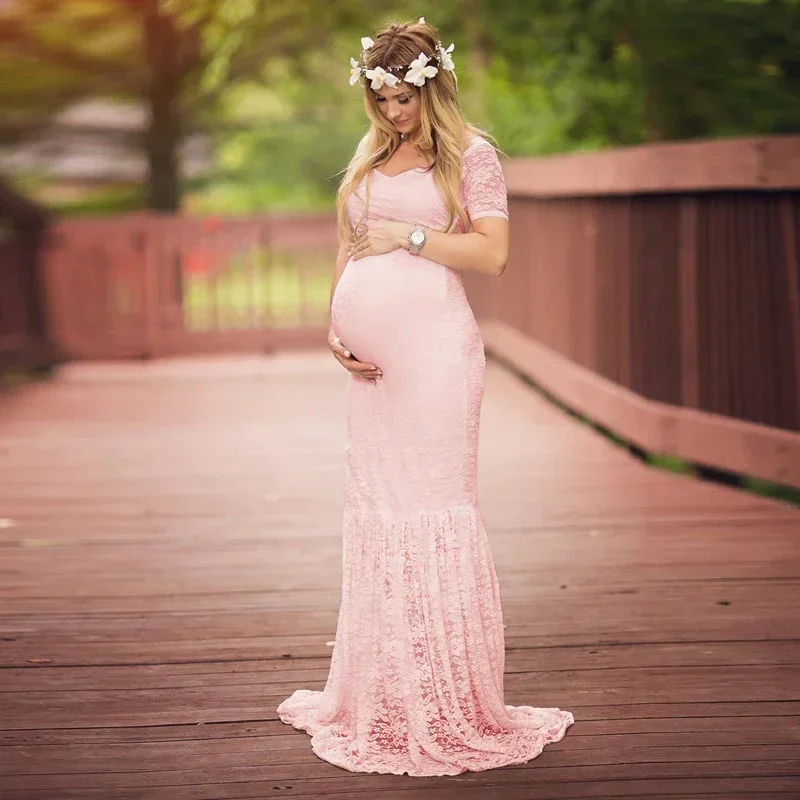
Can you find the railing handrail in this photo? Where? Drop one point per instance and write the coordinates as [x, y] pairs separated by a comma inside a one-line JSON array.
[[741, 163]]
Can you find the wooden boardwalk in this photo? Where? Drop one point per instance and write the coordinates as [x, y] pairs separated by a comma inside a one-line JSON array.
[[170, 564]]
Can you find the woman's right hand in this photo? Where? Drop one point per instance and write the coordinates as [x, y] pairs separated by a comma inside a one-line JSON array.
[[349, 361]]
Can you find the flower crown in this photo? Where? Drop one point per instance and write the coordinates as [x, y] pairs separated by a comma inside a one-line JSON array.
[[418, 71]]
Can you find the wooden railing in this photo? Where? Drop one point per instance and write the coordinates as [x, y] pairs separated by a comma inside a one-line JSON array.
[[655, 289], [23, 336], [153, 285]]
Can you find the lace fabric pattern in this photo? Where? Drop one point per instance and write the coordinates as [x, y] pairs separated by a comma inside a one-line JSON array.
[[484, 186], [416, 678]]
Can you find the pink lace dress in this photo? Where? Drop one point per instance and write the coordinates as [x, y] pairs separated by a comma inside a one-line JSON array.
[[416, 678]]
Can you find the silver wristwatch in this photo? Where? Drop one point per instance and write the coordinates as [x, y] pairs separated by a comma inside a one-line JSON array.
[[416, 238]]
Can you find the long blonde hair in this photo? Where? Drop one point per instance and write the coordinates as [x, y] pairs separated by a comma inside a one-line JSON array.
[[442, 132]]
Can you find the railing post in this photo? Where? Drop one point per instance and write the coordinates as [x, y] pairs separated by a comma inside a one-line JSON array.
[[787, 217], [687, 271], [150, 265]]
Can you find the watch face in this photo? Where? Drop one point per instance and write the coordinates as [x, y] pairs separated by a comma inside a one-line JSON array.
[[417, 237]]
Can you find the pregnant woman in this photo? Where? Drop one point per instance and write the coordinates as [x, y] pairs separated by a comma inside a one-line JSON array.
[[416, 678]]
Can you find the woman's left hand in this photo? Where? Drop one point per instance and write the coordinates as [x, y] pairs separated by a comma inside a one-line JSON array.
[[378, 238]]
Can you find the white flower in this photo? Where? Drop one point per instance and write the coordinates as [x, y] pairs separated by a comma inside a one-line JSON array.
[[418, 71], [366, 43], [379, 76], [355, 73], [422, 20], [446, 60]]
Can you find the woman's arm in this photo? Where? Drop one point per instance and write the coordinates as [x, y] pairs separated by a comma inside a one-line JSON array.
[[341, 261], [363, 369], [333, 340], [484, 249]]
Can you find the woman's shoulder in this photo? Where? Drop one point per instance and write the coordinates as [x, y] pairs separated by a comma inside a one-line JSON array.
[[362, 145], [473, 142]]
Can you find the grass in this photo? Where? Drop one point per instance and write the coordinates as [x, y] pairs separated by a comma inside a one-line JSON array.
[[13, 377], [257, 288], [671, 463], [778, 491], [105, 202]]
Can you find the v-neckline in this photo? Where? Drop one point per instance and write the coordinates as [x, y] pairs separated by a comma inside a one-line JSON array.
[[397, 175]]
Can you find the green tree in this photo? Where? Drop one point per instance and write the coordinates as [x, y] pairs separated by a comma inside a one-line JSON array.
[[175, 56], [623, 71]]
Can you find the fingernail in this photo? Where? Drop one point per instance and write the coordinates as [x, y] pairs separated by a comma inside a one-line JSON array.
[[347, 354]]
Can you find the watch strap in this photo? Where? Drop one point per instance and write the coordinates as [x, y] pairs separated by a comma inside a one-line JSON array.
[[415, 248]]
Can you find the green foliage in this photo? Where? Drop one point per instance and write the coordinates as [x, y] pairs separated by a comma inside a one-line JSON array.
[[297, 130], [671, 463], [549, 107], [623, 71], [222, 27], [56, 53], [268, 286], [103, 202], [544, 76], [778, 491]]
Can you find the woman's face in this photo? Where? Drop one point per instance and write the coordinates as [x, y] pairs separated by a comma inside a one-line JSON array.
[[400, 105]]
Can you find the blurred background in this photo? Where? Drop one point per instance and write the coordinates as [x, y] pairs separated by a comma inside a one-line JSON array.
[[244, 106]]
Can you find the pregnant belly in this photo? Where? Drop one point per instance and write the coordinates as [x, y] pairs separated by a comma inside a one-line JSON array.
[[383, 304]]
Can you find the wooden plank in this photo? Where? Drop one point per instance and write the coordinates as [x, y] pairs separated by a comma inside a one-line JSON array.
[[40, 764], [246, 699], [536, 659], [256, 649], [776, 724], [723, 604], [702, 789], [602, 768]]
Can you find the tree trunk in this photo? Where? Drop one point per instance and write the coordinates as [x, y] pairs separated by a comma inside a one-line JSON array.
[[476, 50], [163, 135]]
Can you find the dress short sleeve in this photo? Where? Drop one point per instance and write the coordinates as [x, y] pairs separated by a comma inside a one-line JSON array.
[[484, 182]]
